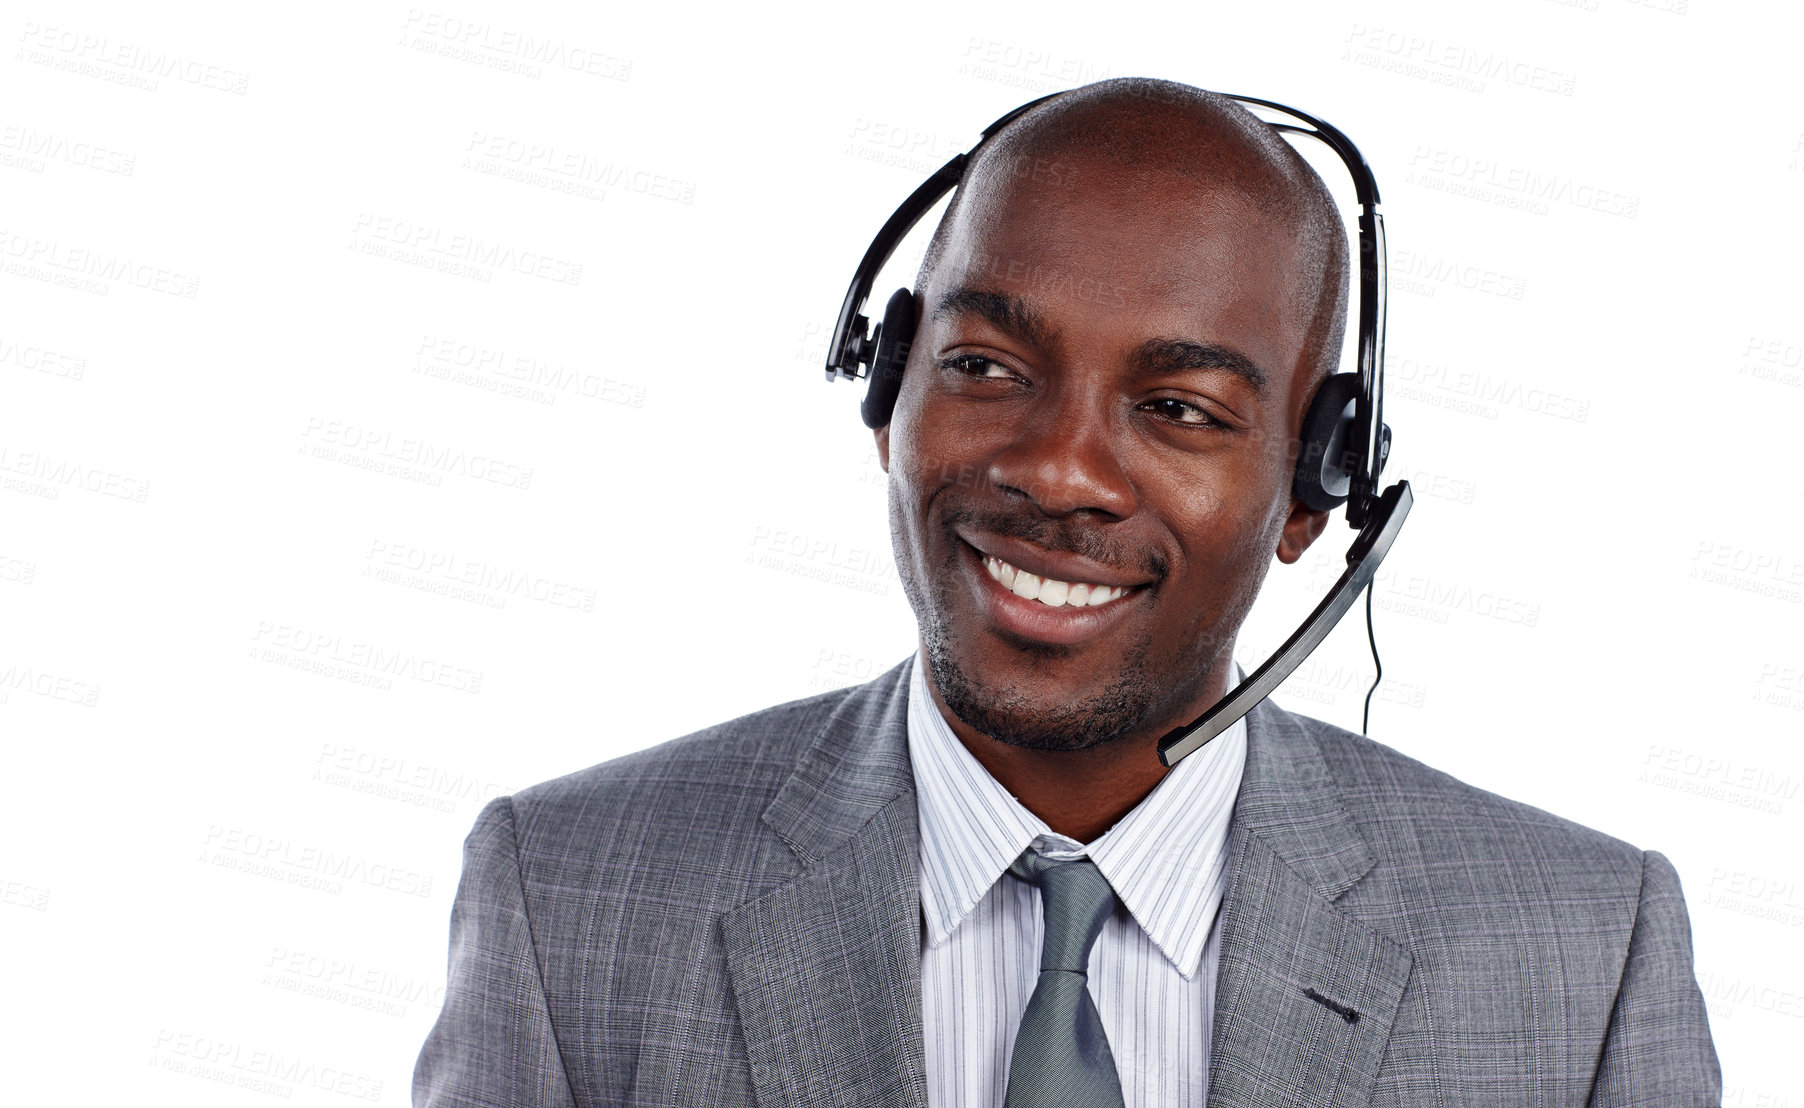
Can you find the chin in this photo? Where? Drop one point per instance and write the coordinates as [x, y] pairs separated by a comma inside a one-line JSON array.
[[1049, 719]]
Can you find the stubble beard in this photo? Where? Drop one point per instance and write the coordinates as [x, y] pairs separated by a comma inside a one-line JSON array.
[[1017, 719], [1010, 716]]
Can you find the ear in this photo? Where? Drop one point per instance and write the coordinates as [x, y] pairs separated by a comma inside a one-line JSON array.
[[882, 436], [1301, 529]]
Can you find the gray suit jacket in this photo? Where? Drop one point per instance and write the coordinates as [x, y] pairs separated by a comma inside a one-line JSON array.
[[734, 918]]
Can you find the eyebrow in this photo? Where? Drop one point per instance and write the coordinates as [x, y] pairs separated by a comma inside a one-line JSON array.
[[1155, 356], [1007, 313], [1171, 355]]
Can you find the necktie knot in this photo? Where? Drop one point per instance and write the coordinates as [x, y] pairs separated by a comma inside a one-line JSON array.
[[1075, 899]]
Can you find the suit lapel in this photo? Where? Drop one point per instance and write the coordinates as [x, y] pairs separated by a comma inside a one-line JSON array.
[[1306, 994], [826, 969]]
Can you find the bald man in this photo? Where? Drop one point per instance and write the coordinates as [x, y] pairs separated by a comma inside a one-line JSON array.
[[970, 882]]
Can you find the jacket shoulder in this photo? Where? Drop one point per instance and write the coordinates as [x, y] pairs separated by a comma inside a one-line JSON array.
[[616, 878], [744, 757], [1422, 814], [1524, 928]]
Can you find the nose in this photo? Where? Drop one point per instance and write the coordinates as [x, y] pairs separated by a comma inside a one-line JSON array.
[[1066, 456]]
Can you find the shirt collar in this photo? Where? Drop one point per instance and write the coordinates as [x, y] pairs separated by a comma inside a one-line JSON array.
[[1165, 859]]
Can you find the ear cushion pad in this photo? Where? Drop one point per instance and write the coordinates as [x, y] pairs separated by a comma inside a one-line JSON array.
[[894, 337], [1328, 453]]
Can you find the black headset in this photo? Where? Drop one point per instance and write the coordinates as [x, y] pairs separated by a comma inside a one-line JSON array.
[[1341, 451]]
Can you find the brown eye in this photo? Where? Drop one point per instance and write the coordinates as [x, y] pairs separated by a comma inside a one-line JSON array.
[[1179, 411], [975, 365]]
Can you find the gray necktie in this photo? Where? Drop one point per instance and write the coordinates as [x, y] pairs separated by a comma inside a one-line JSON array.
[[1062, 1057]]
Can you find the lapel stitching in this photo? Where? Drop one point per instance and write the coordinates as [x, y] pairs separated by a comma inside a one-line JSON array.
[[825, 968], [1307, 992]]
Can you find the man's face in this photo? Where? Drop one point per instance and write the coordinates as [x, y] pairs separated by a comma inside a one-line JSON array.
[[1100, 393]]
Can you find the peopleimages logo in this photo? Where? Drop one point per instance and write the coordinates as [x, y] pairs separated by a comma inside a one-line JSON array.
[[122, 62], [1488, 179], [30, 149], [1452, 63], [464, 254], [564, 170], [507, 49], [350, 443], [253, 1069], [527, 376], [47, 476], [502, 580], [88, 270], [355, 660], [235, 848]]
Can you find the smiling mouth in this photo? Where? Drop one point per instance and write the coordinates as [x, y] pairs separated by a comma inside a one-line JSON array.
[[1048, 591]]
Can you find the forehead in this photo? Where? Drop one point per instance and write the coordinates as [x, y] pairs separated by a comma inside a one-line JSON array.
[[1137, 250]]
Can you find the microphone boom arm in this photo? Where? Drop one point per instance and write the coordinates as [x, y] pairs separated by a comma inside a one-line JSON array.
[[1363, 558]]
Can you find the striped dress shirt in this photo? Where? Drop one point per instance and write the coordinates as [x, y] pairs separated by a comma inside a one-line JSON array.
[[1152, 971]]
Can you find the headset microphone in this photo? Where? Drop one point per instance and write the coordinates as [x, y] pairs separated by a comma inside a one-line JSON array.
[[1341, 451]]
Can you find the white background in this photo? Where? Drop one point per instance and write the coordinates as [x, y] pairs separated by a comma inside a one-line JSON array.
[[253, 691]]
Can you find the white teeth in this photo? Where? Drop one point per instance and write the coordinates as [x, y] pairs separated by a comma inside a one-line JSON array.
[[1053, 594]]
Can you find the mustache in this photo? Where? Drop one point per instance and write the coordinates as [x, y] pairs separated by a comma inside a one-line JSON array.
[[1063, 536]]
